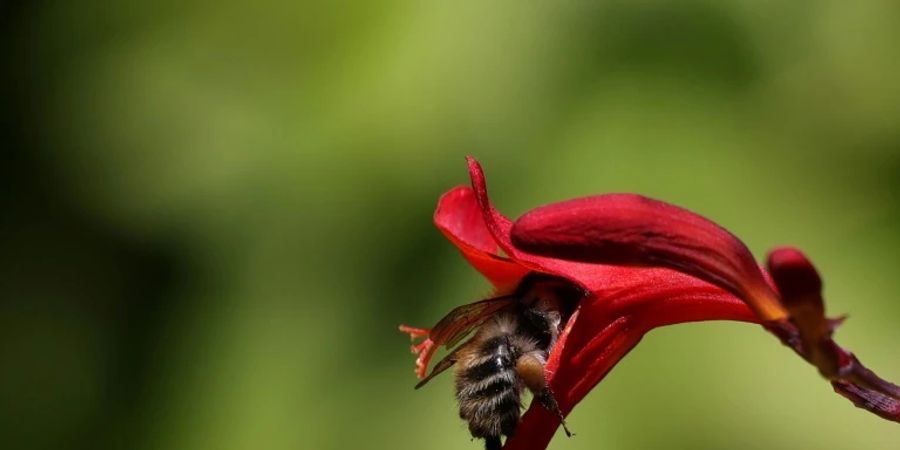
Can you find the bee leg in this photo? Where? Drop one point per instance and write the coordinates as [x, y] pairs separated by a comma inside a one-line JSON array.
[[492, 443], [548, 400], [530, 368]]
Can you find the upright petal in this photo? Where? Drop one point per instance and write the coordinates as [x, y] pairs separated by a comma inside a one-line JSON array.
[[459, 215], [589, 276], [460, 219]]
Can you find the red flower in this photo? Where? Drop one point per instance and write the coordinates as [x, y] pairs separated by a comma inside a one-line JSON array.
[[691, 270]]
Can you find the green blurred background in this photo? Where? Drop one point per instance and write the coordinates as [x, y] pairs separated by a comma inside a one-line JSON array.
[[215, 214]]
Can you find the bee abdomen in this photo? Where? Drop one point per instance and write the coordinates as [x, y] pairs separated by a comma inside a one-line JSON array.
[[488, 391]]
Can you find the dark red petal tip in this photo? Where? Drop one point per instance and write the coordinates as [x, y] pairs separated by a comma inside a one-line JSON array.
[[793, 273], [800, 287], [628, 229]]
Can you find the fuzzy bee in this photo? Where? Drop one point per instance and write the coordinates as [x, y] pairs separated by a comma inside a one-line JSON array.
[[508, 352]]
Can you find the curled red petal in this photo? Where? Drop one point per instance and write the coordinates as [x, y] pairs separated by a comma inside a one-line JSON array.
[[629, 229], [459, 217]]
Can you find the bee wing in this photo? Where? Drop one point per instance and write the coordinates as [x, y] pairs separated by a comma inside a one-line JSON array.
[[463, 319], [456, 325]]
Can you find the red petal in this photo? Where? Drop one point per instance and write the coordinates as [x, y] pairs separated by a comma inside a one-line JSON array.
[[459, 217], [633, 230]]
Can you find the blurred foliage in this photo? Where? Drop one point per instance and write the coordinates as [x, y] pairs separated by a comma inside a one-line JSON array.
[[216, 213]]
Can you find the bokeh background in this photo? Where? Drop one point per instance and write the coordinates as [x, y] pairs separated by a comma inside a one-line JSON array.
[[215, 213]]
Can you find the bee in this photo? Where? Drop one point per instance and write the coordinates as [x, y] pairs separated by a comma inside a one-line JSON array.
[[514, 335]]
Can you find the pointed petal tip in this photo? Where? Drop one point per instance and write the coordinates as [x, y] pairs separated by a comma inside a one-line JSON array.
[[476, 174], [473, 165], [800, 287]]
